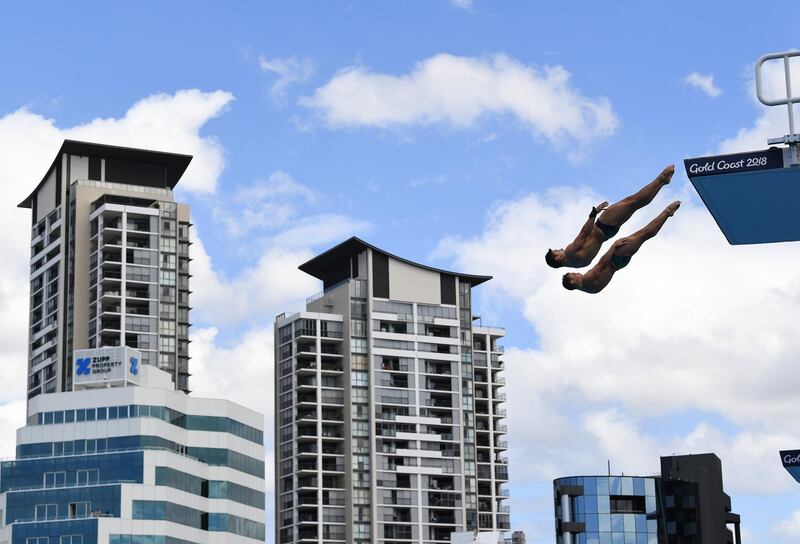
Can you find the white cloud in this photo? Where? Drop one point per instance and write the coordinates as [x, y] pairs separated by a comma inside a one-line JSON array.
[[439, 179], [289, 71], [463, 4], [704, 83], [692, 326], [788, 530], [259, 291], [266, 204], [460, 91]]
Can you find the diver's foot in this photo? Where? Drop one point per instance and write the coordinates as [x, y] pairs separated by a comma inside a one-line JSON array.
[[666, 174], [672, 208]]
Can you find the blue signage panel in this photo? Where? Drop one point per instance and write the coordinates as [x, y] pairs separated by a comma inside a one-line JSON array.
[[791, 462], [753, 198]]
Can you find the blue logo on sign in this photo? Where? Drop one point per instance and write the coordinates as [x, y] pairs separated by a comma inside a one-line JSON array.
[[82, 365], [134, 365]]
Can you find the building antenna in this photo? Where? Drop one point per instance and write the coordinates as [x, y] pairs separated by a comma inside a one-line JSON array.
[[609, 467]]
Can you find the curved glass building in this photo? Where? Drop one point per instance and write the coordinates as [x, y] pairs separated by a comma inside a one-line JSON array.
[[685, 504], [606, 510]]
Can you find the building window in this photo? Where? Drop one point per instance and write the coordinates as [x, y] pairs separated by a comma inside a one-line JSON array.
[[359, 378], [168, 277], [55, 479], [46, 511], [358, 345], [88, 476], [79, 509], [71, 539], [621, 504]]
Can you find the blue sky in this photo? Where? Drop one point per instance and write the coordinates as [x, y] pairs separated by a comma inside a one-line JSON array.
[[462, 143]]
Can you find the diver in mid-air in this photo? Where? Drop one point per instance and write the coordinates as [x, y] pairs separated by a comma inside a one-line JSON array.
[[618, 256], [598, 230]]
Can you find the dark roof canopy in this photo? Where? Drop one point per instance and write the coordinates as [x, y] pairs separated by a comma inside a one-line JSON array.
[[321, 265], [175, 163]]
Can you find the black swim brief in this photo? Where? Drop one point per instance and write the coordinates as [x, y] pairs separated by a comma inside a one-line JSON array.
[[609, 231], [620, 261]]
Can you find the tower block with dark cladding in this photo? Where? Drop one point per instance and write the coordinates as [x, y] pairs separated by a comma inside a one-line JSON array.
[[388, 406]]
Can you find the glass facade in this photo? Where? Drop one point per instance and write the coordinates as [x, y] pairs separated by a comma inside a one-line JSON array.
[[177, 513], [60, 504], [54, 472], [146, 539], [213, 489], [606, 510], [174, 417], [211, 456], [82, 531]]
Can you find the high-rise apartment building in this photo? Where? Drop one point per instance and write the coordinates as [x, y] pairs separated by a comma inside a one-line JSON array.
[[388, 406], [124, 458], [109, 261]]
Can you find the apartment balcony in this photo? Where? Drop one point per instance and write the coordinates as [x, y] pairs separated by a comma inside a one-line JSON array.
[[330, 350], [333, 533], [439, 369], [396, 532], [307, 466], [306, 416], [332, 416], [306, 382], [501, 445], [332, 397], [306, 432], [309, 535], [501, 473], [439, 385], [333, 465], [306, 366], [307, 399], [329, 432], [444, 500], [441, 517], [307, 483], [307, 517], [398, 515], [503, 521]]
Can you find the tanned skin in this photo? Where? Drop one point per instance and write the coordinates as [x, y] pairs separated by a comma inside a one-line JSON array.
[[590, 239], [596, 279]]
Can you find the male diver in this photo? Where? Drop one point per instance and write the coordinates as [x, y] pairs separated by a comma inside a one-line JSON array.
[[618, 256], [597, 230]]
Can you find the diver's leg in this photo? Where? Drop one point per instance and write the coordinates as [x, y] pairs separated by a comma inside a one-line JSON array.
[[631, 244], [619, 212]]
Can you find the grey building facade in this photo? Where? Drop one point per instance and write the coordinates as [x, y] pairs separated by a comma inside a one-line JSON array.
[[388, 406], [109, 261]]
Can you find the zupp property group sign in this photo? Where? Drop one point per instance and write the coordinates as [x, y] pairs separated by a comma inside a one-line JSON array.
[[105, 366]]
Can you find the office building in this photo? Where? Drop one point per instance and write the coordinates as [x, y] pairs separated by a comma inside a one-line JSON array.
[[686, 504], [127, 459], [109, 261], [388, 406]]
